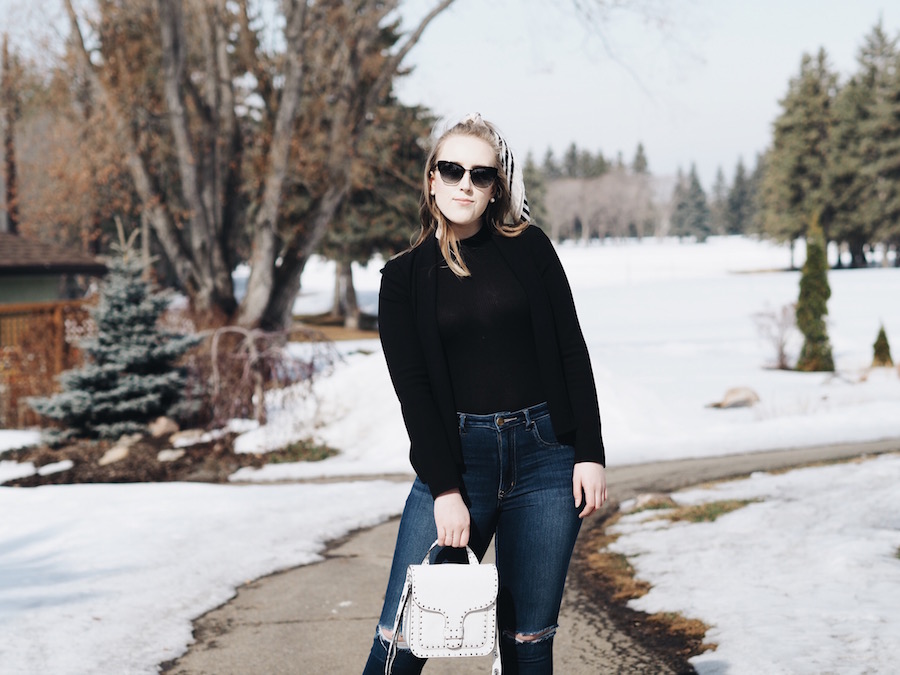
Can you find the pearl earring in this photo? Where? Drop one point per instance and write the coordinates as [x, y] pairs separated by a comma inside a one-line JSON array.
[[493, 200]]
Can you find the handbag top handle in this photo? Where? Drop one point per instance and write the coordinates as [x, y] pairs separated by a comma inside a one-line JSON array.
[[473, 559]]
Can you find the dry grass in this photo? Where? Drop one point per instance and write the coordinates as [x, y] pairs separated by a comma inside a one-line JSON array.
[[614, 567], [615, 572], [338, 333], [825, 462], [301, 451], [692, 630], [653, 502], [705, 513], [330, 327]]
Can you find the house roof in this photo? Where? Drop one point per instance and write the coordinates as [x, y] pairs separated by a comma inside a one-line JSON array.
[[19, 255]]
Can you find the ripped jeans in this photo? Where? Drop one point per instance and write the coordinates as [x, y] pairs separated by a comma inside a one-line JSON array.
[[517, 483]]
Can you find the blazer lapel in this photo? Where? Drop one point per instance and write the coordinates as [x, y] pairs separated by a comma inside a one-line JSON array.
[[426, 300], [426, 275]]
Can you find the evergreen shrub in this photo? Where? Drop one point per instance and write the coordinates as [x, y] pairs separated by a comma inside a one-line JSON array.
[[812, 305], [132, 375], [882, 349]]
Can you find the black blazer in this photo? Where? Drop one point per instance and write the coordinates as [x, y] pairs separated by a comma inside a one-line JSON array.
[[407, 319]]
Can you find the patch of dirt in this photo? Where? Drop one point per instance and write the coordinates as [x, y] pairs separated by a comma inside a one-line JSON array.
[[672, 639], [209, 461], [329, 327]]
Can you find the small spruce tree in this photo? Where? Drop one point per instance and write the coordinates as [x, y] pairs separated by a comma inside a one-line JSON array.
[[812, 305], [691, 216], [132, 377], [882, 350]]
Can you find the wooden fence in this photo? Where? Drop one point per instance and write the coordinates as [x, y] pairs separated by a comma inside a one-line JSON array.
[[37, 342]]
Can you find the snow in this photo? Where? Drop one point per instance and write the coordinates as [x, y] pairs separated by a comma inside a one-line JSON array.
[[805, 580], [88, 569], [670, 330]]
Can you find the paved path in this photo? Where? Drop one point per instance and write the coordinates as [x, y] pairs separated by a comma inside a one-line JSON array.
[[319, 619]]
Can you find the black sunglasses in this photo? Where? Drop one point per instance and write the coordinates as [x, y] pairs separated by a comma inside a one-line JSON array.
[[481, 176]]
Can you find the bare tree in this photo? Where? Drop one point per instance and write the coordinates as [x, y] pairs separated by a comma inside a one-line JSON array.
[[217, 130], [616, 204], [332, 73], [778, 328]]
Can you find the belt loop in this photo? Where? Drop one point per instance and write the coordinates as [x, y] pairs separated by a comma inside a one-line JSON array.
[[462, 423], [528, 421]]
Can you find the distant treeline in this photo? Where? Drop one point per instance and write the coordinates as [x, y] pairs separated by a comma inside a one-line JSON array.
[[585, 195]]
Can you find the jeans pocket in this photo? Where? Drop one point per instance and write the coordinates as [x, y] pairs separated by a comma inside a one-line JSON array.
[[542, 430]]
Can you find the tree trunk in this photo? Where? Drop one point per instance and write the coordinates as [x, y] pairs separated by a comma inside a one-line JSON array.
[[201, 165], [345, 303], [10, 104], [166, 230], [254, 310], [857, 253]]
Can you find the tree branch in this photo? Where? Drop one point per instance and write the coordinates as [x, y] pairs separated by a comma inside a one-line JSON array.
[[163, 225], [171, 21], [382, 84], [262, 259]]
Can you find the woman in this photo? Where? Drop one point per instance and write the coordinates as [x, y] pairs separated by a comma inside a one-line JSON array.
[[491, 369]]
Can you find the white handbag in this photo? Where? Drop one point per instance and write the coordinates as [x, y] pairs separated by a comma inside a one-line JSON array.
[[448, 610]]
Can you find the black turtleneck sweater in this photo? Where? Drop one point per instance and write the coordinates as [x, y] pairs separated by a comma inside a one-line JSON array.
[[486, 331]]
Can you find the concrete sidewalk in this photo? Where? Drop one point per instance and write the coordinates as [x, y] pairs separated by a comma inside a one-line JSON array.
[[320, 619]]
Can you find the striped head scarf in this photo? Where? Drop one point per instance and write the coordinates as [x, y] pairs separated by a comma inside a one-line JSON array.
[[518, 209]]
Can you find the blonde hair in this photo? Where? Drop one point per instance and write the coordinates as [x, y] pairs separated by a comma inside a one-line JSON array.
[[433, 221]]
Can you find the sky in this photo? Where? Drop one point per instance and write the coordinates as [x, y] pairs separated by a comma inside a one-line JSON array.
[[669, 327], [695, 81], [699, 82]]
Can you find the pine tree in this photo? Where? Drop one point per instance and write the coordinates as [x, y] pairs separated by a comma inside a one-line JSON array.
[[598, 166], [739, 205], [132, 377], [845, 179], [864, 150], [570, 162], [381, 213], [537, 191], [793, 183], [639, 164], [812, 305], [549, 166], [882, 350], [755, 206], [880, 131], [691, 217], [679, 200], [718, 204]]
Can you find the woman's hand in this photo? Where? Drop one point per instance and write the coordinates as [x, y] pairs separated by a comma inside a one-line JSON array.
[[589, 483], [451, 515]]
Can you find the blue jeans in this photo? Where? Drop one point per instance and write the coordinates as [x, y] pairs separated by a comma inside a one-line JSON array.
[[517, 483]]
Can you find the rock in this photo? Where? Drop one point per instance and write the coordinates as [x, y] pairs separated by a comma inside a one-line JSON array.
[[181, 439], [737, 397], [169, 455], [162, 426], [128, 440], [115, 454]]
